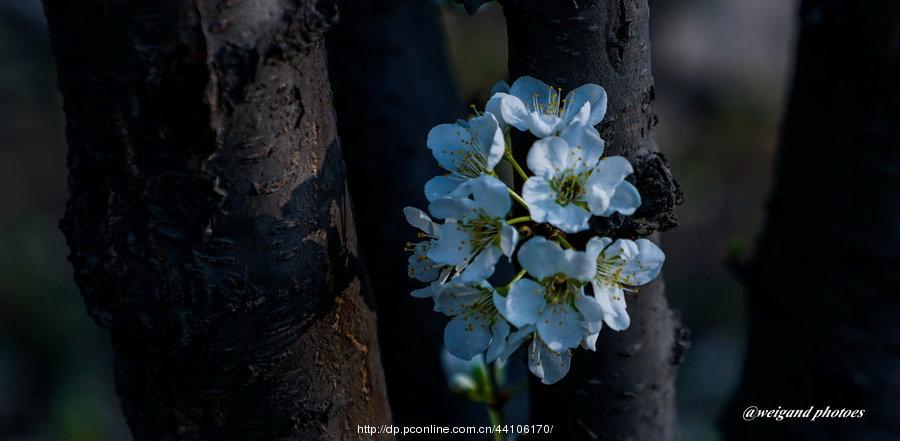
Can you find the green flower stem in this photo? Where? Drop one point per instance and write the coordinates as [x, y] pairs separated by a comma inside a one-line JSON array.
[[494, 410], [561, 238], [517, 197], [496, 418], [519, 220], [518, 276], [516, 166], [508, 155]]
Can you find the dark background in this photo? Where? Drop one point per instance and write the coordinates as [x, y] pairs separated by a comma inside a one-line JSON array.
[[721, 69]]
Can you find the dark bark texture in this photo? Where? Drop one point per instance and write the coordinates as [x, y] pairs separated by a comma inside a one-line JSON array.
[[624, 390], [824, 282], [392, 84], [567, 44], [209, 221]]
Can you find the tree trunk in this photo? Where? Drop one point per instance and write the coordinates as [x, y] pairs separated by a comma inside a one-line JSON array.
[[624, 390], [824, 281], [208, 219], [390, 89]]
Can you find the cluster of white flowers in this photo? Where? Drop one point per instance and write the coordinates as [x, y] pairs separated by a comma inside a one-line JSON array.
[[570, 181]]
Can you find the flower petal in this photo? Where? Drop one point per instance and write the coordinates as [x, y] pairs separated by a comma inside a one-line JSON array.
[[602, 185], [482, 266], [534, 357], [418, 219], [560, 327], [541, 258], [499, 333], [612, 170], [514, 341], [546, 364], [453, 247], [424, 293], [491, 195], [433, 289], [597, 198], [456, 298], [524, 302], [585, 144], [533, 92], [500, 303], [620, 252], [596, 245], [644, 267], [588, 93], [420, 266], [625, 200], [509, 111], [542, 126], [612, 300], [579, 265], [548, 156], [591, 312], [458, 209], [582, 115], [488, 137], [467, 335], [556, 365], [493, 106], [570, 218], [450, 143], [500, 87], [509, 237], [440, 186], [540, 197]]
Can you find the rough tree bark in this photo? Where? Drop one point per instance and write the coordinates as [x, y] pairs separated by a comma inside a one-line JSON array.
[[208, 219], [624, 390], [824, 309], [390, 89]]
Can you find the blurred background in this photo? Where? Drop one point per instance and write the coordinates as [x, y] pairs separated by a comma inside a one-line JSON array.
[[721, 67]]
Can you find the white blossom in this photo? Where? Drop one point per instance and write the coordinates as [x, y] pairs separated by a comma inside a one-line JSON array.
[[474, 234], [571, 183], [621, 264], [477, 327], [532, 105], [554, 301], [545, 306], [466, 150]]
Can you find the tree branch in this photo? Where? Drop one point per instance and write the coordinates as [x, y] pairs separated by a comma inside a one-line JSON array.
[[624, 390], [208, 219]]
